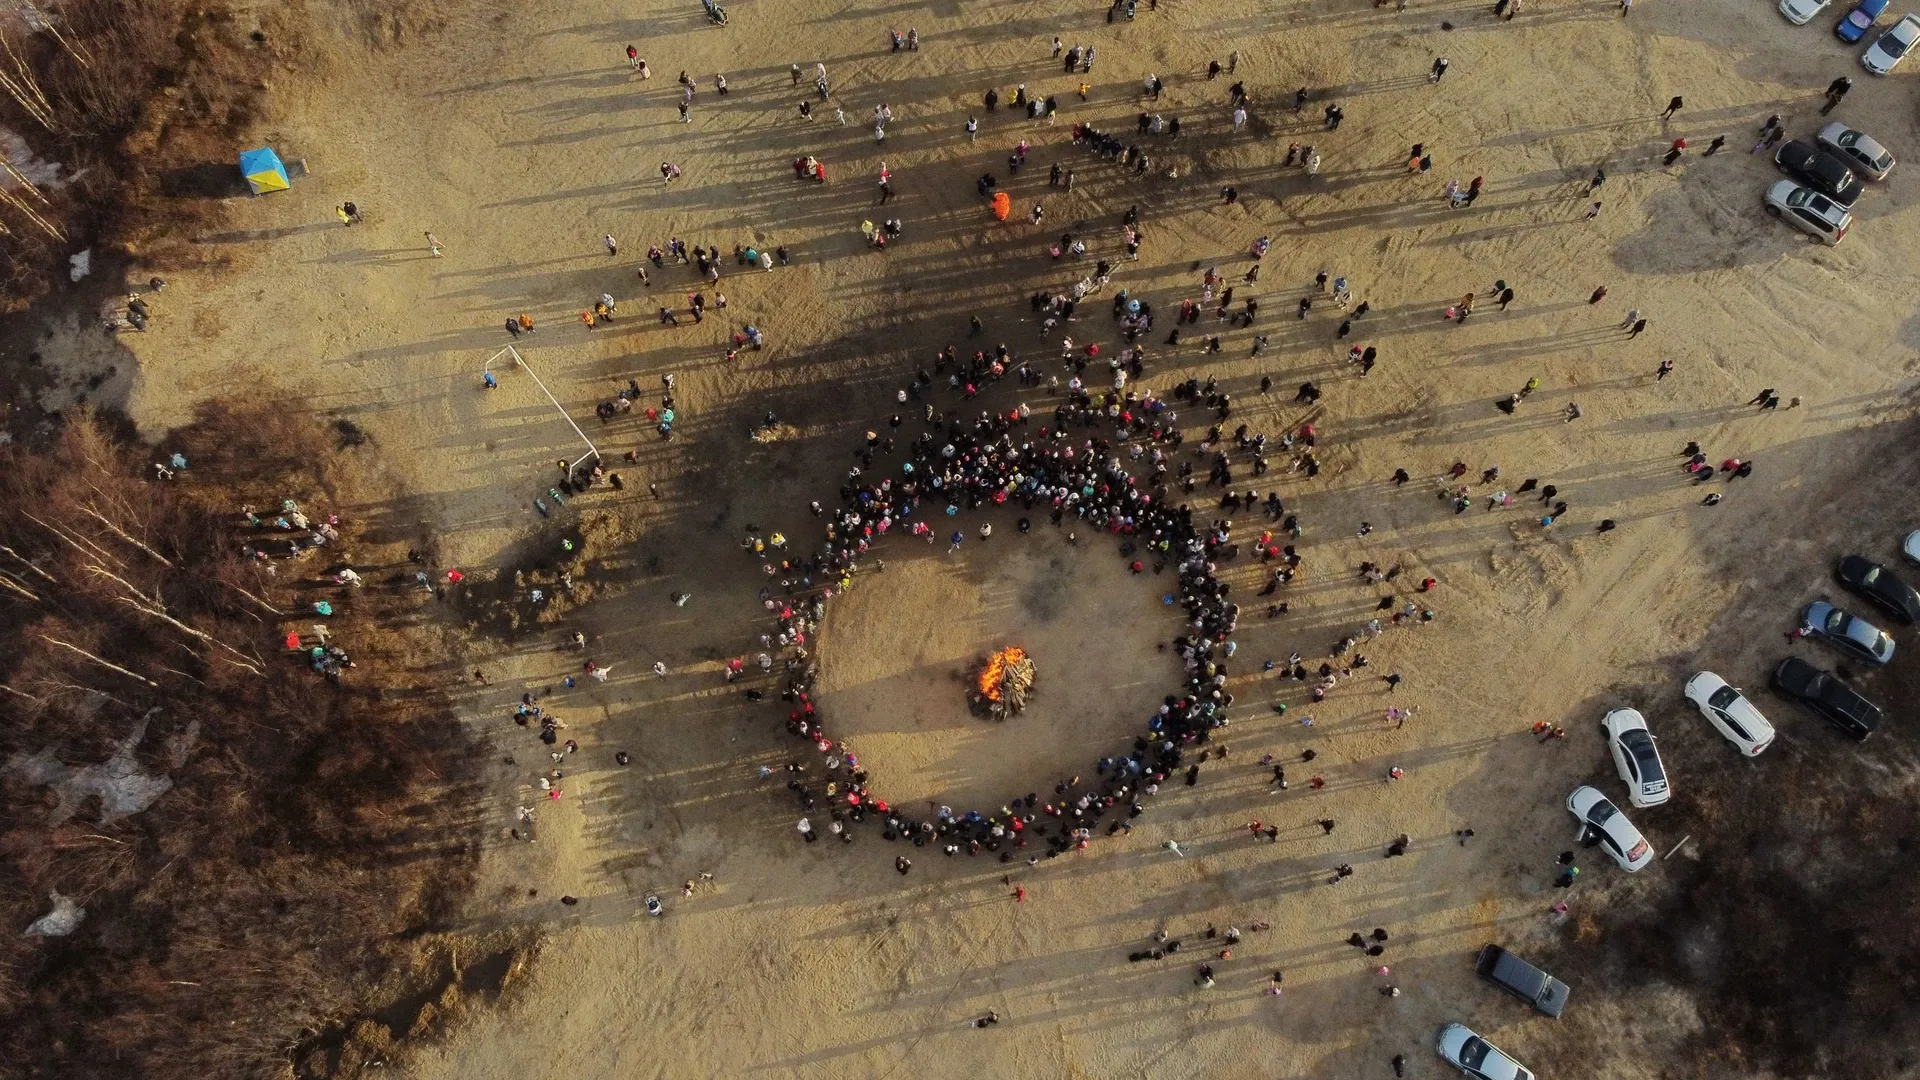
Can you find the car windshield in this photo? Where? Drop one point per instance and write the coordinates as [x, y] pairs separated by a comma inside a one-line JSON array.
[[1837, 621], [1860, 19], [1473, 1052], [1602, 812], [1819, 204], [1640, 745], [1724, 697], [1898, 40], [1870, 576]]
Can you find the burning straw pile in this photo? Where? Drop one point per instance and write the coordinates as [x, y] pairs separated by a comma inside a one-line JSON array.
[[1003, 682]]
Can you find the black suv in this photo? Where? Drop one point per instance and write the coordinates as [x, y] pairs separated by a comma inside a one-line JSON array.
[[1824, 693], [1822, 171]]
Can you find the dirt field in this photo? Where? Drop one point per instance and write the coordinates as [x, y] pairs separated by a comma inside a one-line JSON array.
[[519, 137]]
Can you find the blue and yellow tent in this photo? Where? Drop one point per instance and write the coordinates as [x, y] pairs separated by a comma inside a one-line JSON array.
[[264, 171]]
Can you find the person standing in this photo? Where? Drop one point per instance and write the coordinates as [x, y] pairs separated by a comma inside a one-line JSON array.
[[613, 246], [1666, 369], [1714, 146], [1673, 106], [1673, 152], [1439, 70], [433, 244], [1593, 211], [1626, 8], [1599, 294], [633, 58]]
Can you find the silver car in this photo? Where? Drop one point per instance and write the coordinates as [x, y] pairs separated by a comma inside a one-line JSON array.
[[1460, 1047], [1892, 46], [1848, 633], [1801, 12], [1862, 153], [1809, 211]]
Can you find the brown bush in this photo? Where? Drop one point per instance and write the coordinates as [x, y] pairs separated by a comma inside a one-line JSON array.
[[312, 823]]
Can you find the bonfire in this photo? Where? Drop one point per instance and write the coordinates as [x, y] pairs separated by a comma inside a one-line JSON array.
[[1003, 682]]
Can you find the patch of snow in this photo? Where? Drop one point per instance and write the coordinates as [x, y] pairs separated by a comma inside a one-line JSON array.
[[64, 919], [18, 154], [123, 790]]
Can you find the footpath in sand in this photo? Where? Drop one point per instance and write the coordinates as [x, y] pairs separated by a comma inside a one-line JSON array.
[[519, 137]]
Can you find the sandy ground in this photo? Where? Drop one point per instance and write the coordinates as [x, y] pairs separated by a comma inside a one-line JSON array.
[[895, 655], [519, 137]]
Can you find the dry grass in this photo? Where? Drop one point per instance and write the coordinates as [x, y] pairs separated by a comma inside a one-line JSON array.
[[131, 98], [313, 824]]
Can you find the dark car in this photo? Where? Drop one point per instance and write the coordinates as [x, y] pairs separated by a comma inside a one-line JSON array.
[[1822, 171], [1824, 693], [1876, 583], [1522, 980]]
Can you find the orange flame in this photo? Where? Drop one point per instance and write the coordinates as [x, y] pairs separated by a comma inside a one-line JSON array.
[[996, 669]]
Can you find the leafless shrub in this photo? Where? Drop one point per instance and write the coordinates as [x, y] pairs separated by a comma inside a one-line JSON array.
[[310, 822]]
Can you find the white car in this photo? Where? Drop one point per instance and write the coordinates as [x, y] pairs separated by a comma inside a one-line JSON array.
[[1599, 817], [1891, 47], [1729, 711], [1460, 1047], [1801, 12], [1636, 757], [1911, 548]]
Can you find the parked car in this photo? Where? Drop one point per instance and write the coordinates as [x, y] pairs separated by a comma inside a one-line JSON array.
[[1820, 170], [1729, 711], [1847, 632], [1859, 20], [1599, 817], [1636, 757], [1461, 1048], [1521, 979], [1877, 583], [1809, 211], [1824, 693], [1862, 153], [1911, 547], [1892, 46], [1801, 12]]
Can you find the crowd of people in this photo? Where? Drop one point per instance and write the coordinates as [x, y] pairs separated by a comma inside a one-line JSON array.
[[1069, 472]]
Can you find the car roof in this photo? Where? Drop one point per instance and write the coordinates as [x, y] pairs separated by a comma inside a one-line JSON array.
[[1872, 7], [1795, 152]]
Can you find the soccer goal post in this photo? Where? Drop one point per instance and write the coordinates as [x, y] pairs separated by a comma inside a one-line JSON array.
[[510, 357]]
